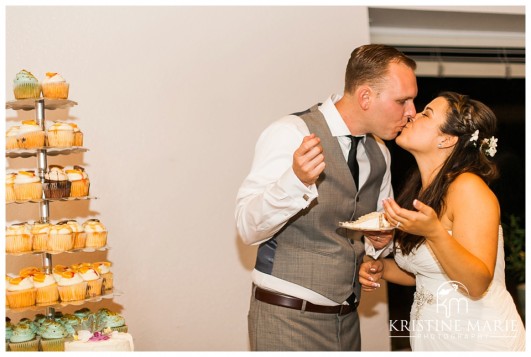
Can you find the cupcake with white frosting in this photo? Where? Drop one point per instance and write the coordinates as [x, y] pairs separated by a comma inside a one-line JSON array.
[[80, 183], [78, 135], [18, 238], [30, 135], [20, 292], [27, 186], [93, 279], [46, 286], [78, 232], [11, 137], [39, 235], [71, 287], [54, 86], [60, 238], [10, 187], [104, 268], [60, 134], [96, 233]]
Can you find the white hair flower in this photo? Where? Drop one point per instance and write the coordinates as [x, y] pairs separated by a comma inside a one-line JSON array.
[[493, 144], [474, 136]]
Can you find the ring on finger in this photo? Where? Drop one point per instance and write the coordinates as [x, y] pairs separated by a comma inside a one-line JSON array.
[[398, 224]]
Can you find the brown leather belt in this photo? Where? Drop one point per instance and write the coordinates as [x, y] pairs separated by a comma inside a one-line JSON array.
[[291, 302]]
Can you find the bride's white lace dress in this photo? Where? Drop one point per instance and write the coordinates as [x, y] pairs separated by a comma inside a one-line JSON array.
[[445, 318]]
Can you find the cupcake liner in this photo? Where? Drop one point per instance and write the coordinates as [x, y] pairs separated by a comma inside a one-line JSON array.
[[47, 294], [60, 242], [94, 287], [10, 193], [78, 138], [56, 189], [27, 90], [80, 188], [108, 281], [60, 138], [22, 298], [40, 241], [28, 191], [27, 346], [80, 239], [19, 243], [55, 90], [34, 139], [96, 239], [55, 344], [11, 143], [73, 292]]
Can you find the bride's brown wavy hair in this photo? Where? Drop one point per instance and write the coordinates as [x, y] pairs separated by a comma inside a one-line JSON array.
[[464, 117]]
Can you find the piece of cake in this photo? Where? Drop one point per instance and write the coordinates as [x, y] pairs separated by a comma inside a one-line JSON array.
[[26, 85], [374, 221], [27, 186], [87, 341], [54, 86]]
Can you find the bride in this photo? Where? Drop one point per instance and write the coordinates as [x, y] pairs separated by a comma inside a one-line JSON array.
[[449, 241]]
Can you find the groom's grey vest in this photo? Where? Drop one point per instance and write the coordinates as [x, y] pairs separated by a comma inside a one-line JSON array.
[[311, 250]]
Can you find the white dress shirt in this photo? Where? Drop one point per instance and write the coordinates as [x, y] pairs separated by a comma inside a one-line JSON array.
[[271, 194]]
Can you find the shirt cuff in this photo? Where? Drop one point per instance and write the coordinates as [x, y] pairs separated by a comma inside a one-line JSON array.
[[301, 194]]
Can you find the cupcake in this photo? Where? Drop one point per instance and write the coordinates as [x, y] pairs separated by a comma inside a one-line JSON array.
[[30, 135], [71, 322], [110, 319], [53, 335], [79, 180], [71, 287], [96, 233], [26, 86], [78, 233], [18, 238], [60, 238], [10, 187], [20, 292], [60, 135], [23, 338], [104, 269], [11, 137], [54, 86], [38, 320], [86, 317], [27, 186], [39, 235], [47, 292], [29, 271], [58, 271], [9, 331], [78, 135], [93, 279], [56, 184]]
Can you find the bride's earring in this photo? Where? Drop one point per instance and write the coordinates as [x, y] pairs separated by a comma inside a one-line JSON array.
[[439, 145]]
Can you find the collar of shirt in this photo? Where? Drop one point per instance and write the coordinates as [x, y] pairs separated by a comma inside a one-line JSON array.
[[333, 118]]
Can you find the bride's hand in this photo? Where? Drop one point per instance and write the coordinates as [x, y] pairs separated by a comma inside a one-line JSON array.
[[423, 222], [370, 273]]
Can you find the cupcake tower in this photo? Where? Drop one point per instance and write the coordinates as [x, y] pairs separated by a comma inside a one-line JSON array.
[[49, 285]]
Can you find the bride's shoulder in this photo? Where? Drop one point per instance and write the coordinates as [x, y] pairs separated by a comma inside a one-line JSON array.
[[470, 186]]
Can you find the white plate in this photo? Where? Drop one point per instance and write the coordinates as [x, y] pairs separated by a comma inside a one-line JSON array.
[[348, 225]]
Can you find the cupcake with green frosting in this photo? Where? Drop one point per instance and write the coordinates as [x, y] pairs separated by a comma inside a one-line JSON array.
[[23, 338], [53, 335], [26, 85], [71, 322], [110, 319], [9, 331]]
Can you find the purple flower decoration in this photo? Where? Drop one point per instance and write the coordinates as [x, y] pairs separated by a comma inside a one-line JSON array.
[[98, 336]]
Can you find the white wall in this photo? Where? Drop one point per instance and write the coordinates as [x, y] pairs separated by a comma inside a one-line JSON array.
[[172, 100]]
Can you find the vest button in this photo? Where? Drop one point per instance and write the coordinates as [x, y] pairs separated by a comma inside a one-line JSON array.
[[351, 241], [357, 198]]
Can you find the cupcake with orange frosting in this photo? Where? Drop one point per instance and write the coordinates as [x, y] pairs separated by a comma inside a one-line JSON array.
[[58, 271], [96, 233], [71, 286], [30, 135], [11, 137], [10, 187], [27, 186], [39, 233], [54, 86], [80, 183], [26, 85], [93, 279], [60, 134], [20, 292], [18, 238], [60, 238], [104, 269]]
